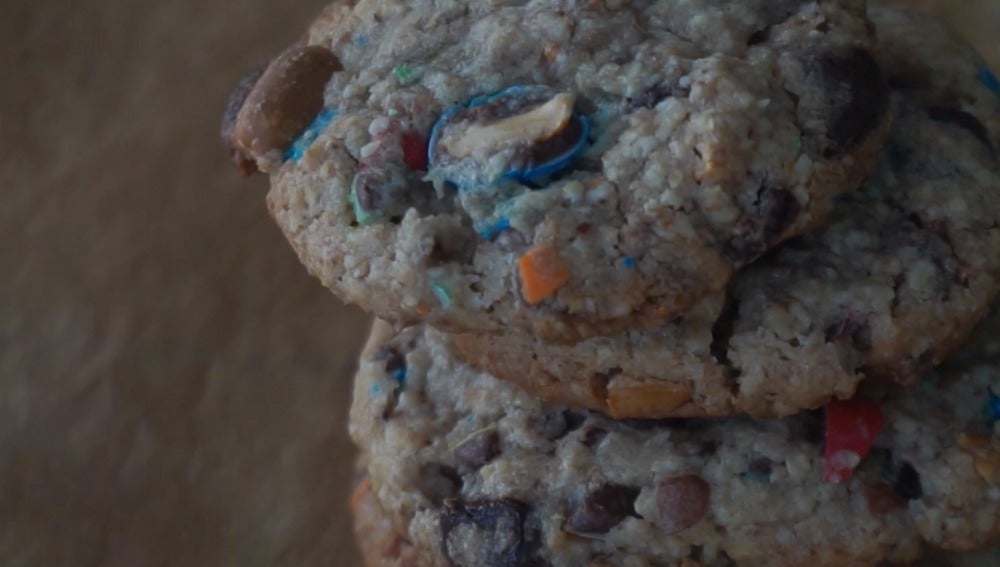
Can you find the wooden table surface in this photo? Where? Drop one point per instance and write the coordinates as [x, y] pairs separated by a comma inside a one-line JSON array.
[[173, 386]]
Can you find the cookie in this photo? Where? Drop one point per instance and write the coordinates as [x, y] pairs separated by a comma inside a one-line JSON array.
[[565, 169], [473, 471], [892, 285], [382, 545]]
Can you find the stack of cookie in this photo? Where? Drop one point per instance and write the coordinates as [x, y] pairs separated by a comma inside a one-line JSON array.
[[669, 283]]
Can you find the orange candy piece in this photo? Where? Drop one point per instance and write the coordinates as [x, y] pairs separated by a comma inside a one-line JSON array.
[[542, 272]]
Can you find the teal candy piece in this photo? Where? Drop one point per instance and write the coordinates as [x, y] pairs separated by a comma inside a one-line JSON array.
[[491, 232], [306, 139]]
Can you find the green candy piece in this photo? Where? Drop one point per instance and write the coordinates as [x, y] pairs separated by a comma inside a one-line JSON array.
[[442, 294]]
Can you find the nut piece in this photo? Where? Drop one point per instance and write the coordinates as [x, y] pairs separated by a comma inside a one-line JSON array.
[[540, 123], [682, 502], [244, 161], [985, 457], [633, 399], [284, 101]]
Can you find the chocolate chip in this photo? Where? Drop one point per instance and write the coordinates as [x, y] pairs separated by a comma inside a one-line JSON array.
[[603, 509], [551, 426], [574, 420], [907, 484], [963, 120], [779, 208], [759, 470], [682, 502], [438, 482], [478, 449], [851, 96], [592, 436], [722, 332], [651, 97], [243, 160], [852, 330], [813, 424], [900, 475], [283, 102], [485, 532], [395, 362], [758, 37]]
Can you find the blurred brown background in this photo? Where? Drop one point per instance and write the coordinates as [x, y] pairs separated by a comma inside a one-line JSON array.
[[173, 386]]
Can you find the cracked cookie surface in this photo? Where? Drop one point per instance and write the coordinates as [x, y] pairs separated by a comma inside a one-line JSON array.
[[888, 289], [470, 470], [572, 169]]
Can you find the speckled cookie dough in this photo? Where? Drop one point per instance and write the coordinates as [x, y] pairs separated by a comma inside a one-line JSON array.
[[569, 169], [888, 289], [473, 471]]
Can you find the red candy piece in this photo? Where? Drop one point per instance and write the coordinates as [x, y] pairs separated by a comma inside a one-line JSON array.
[[851, 429], [415, 151]]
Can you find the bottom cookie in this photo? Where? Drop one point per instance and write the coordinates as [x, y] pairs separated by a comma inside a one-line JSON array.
[[381, 545], [474, 472]]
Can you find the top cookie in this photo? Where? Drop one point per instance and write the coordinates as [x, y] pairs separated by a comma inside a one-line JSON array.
[[893, 283], [567, 169]]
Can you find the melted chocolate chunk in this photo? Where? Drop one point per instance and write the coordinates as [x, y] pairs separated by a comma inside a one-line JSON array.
[[478, 449], [603, 509], [485, 532]]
